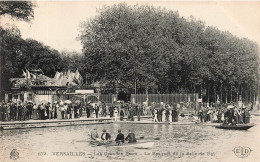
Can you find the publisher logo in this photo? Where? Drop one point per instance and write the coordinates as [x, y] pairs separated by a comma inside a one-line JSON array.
[[14, 155], [242, 151]]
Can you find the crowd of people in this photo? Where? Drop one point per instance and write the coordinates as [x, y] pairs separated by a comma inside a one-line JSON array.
[[21, 111], [225, 114], [160, 112], [28, 110]]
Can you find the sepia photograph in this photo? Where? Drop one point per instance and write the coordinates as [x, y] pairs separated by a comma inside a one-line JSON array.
[[129, 81]]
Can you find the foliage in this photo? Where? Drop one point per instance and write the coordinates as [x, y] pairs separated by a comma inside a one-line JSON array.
[[21, 10], [167, 53], [18, 54]]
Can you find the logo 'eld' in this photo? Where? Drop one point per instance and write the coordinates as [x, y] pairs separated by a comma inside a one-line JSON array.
[[242, 152]]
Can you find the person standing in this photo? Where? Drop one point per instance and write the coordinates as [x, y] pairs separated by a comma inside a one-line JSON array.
[[54, 109], [62, 110], [47, 109], [104, 110], [69, 111], [159, 114], [42, 112], [174, 115], [115, 114], [155, 115], [15, 110], [111, 111], [76, 111], [4, 111], [80, 109], [219, 115], [122, 114], [232, 116], [88, 110], [139, 113], [30, 110], [24, 111], [26, 106], [8, 112], [50, 111], [20, 111], [247, 115], [35, 112], [96, 109], [167, 114], [59, 106]]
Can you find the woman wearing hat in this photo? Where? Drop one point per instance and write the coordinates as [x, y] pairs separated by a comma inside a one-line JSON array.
[[105, 136]]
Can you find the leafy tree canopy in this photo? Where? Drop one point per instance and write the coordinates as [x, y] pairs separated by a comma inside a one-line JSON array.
[[21, 10]]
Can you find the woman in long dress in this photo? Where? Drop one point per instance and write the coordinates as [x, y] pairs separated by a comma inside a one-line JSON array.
[[59, 111], [35, 112]]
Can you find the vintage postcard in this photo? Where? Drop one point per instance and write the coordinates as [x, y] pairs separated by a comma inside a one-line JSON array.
[[129, 81]]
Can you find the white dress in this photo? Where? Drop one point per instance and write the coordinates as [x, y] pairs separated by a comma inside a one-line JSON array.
[[115, 114]]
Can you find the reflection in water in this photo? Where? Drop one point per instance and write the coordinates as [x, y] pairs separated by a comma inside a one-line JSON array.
[[177, 142]]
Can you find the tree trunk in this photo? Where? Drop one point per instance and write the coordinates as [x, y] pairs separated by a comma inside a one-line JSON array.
[[231, 100], [208, 94], [226, 93], [237, 90], [221, 93]]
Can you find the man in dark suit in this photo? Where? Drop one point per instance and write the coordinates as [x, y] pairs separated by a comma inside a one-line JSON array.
[[131, 137], [96, 108], [120, 138]]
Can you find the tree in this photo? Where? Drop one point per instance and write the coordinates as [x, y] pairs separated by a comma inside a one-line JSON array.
[[21, 10], [165, 52], [18, 54]]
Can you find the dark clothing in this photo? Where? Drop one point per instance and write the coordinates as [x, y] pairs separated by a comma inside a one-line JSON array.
[[29, 111], [104, 111], [76, 108], [55, 111], [231, 115], [107, 136], [131, 138], [120, 137], [111, 111], [200, 116], [88, 111], [227, 115], [96, 111], [122, 114], [20, 111], [69, 111], [167, 114], [174, 115]]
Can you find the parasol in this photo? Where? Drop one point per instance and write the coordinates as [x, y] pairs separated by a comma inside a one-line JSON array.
[[68, 101], [77, 101], [230, 107]]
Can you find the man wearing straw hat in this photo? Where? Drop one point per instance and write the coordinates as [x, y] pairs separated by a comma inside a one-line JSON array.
[[94, 134]]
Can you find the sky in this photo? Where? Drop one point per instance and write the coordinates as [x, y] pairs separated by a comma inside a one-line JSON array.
[[56, 23]]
